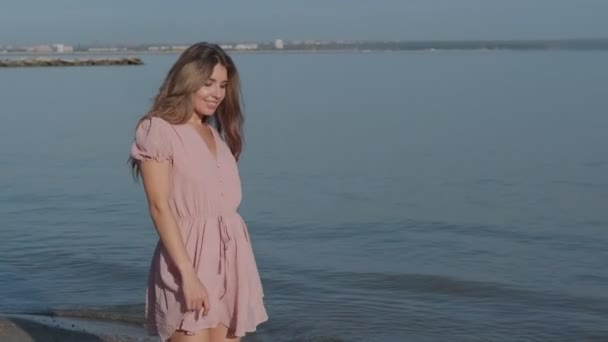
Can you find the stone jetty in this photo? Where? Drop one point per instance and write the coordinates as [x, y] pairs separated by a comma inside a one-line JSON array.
[[63, 62]]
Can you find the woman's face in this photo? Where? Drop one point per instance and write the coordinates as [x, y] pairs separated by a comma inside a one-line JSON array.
[[208, 97]]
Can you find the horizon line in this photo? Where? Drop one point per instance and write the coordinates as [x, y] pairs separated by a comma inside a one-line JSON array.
[[334, 40]]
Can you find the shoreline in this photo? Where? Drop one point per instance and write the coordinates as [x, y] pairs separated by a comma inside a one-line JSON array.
[[43, 328]]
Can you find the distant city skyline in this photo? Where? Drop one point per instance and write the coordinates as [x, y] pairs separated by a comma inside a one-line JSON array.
[[319, 46], [27, 22]]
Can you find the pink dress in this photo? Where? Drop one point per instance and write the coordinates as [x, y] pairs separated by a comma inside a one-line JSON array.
[[205, 195]]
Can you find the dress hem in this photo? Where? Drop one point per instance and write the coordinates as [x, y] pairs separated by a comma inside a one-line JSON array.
[[216, 324]]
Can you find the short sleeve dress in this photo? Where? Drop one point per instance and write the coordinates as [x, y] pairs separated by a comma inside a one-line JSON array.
[[205, 195]]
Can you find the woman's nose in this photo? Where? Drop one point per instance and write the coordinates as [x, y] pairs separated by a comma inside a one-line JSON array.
[[217, 91]]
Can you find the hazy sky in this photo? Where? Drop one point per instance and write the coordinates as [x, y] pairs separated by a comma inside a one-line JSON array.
[[149, 21]]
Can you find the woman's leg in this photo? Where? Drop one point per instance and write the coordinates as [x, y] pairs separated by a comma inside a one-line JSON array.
[[180, 336], [217, 334], [220, 334]]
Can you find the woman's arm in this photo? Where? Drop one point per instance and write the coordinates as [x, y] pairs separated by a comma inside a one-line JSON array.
[[156, 180]]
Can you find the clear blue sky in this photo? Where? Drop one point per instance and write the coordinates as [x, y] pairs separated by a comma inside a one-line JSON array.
[[149, 21]]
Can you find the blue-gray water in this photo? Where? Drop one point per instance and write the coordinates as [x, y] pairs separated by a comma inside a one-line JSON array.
[[427, 196]]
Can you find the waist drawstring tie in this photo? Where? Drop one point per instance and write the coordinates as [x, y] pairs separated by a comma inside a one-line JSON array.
[[223, 264]]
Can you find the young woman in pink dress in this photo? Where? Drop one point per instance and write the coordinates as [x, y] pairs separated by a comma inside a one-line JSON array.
[[203, 283]]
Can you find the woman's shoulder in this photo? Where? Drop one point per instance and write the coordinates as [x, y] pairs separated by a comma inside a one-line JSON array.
[[156, 128], [154, 122], [153, 138]]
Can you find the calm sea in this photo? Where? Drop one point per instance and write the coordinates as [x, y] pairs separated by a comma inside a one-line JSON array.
[[414, 196]]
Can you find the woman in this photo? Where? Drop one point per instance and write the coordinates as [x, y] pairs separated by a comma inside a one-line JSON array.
[[203, 283]]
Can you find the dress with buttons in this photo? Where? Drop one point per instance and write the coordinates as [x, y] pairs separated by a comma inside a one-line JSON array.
[[205, 195]]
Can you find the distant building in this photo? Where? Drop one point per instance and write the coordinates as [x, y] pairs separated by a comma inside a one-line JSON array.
[[246, 46], [278, 44], [62, 48], [40, 49], [227, 47]]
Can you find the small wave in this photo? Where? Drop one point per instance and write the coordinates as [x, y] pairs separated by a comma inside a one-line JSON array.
[[580, 184], [556, 239], [428, 285], [479, 182], [595, 163], [132, 314]]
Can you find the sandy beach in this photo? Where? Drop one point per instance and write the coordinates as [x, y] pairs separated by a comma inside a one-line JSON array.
[[32, 328]]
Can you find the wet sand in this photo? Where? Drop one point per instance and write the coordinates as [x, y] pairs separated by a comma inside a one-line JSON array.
[[32, 328]]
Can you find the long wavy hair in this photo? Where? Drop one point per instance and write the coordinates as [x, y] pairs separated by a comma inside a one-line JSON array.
[[173, 102]]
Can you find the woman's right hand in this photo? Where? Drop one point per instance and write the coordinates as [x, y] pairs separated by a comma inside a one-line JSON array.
[[195, 294]]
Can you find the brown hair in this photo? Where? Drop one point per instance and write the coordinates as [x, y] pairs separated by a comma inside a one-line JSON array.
[[173, 102]]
